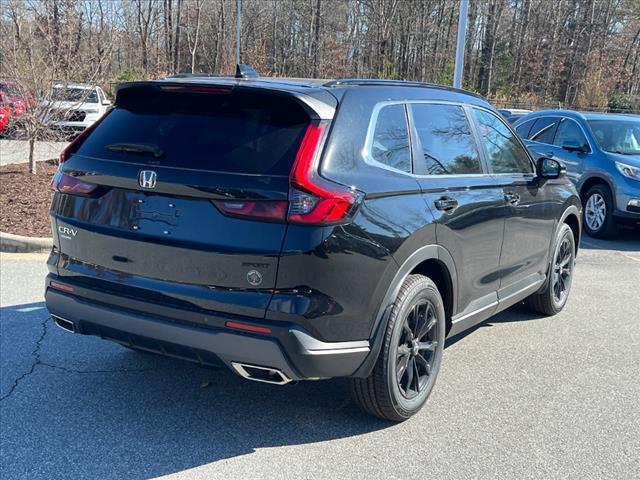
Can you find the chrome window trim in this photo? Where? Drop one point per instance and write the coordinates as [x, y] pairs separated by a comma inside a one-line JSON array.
[[366, 150]]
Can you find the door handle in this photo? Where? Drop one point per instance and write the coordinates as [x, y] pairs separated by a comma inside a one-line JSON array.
[[512, 198], [446, 204]]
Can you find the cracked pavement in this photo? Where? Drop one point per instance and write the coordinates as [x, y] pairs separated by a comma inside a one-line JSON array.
[[518, 397]]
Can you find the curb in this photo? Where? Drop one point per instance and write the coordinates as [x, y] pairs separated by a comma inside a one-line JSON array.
[[19, 244]]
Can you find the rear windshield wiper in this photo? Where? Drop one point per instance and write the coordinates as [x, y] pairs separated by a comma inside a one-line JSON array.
[[136, 148]]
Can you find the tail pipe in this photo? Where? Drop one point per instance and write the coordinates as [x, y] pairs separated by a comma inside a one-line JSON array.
[[66, 325], [261, 374]]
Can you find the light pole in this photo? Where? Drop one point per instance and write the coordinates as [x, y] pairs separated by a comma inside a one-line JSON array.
[[238, 29], [462, 35]]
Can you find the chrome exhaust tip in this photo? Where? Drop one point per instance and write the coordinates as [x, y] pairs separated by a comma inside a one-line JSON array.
[[260, 374], [65, 325]]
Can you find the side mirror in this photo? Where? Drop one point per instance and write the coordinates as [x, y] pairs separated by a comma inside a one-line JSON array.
[[106, 102], [549, 168], [573, 146]]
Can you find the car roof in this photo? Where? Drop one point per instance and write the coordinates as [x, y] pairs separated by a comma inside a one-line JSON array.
[[300, 84], [578, 115], [79, 86]]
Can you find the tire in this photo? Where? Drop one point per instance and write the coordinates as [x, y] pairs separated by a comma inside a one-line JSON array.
[[413, 339], [598, 201], [553, 298]]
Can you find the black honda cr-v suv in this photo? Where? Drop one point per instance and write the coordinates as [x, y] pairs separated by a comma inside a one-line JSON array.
[[298, 229]]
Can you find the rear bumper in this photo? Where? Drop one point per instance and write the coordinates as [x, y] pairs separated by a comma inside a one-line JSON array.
[[291, 351]]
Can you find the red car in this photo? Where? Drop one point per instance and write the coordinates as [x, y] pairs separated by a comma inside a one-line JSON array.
[[17, 97], [5, 112]]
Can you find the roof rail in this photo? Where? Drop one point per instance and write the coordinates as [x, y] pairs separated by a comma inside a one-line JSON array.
[[245, 71], [398, 83]]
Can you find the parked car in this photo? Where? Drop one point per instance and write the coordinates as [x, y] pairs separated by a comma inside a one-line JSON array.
[[602, 155], [16, 97], [302, 230], [5, 113], [513, 114], [74, 107]]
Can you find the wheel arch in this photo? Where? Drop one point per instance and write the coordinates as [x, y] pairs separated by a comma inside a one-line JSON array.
[[570, 216], [429, 260], [596, 180]]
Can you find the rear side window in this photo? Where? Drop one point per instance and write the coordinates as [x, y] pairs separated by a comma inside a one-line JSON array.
[[446, 142], [504, 152], [239, 132], [544, 129], [390, 141], [523, 130]]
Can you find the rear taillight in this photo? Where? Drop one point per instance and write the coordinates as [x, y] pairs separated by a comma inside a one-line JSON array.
[[257, 209], [313, 199], [68, 184], [64, 155]]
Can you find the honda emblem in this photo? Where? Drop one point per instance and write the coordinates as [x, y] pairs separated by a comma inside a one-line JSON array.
[[147, 179]]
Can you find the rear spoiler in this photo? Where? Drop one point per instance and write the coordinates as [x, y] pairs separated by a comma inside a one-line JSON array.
[[319, 103]]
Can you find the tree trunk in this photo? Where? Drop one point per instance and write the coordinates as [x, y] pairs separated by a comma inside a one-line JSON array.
[[32, 160]]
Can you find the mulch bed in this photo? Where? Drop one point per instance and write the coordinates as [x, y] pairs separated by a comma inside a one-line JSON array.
[[25, 199]]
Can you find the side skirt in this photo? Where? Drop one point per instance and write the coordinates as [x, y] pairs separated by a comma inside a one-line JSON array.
[[493, 303]]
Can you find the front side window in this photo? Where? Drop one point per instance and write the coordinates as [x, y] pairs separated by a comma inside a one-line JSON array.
[[504, 152], [569, 131], [390, 143], [446, 142], [544, 129]]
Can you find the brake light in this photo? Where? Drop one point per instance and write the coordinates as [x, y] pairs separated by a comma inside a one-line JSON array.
[[64, 155], [313, 199], [258, 209], [68, 184], [196, 89]]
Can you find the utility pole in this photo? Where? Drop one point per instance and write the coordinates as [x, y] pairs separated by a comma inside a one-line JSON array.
[[462, 36], [238, 29]]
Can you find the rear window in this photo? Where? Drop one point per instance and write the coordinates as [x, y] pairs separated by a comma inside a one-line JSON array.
[[239, 132]]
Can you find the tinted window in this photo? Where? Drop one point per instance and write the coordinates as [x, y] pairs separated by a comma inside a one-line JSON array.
[[227, 132], [448, 147], [569, 131], [390, 144], [523, 130], [544, 129], [505, 153]]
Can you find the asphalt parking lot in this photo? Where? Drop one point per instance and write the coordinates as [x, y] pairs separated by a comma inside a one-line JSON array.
[[520, 396]]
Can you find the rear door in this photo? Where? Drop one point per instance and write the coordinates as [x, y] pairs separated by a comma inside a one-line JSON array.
[[540, 137], [530, 205], [186, 185], [467, 203]]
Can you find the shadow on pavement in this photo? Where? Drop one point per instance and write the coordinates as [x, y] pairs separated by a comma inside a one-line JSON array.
[[516, 313], [86, 408]]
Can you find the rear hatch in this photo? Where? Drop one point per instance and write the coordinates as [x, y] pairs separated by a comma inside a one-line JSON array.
[[181, 184]]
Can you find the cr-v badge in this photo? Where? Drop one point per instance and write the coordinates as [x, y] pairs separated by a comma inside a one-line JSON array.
[[67, 232], [147, 179]]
